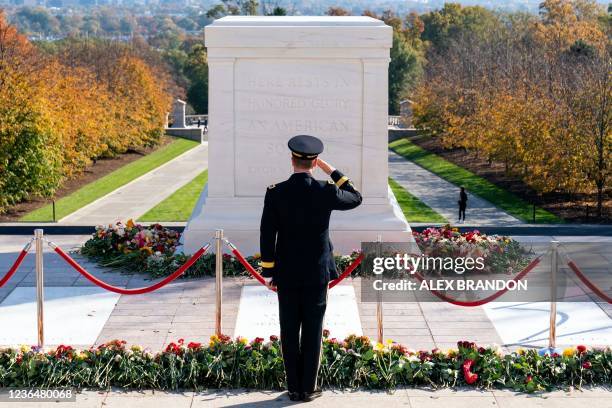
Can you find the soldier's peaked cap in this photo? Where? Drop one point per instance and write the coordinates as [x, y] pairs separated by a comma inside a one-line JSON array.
[[305, 146]]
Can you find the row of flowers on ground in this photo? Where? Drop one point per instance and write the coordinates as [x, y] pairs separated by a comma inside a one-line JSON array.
[[152, 249], [352, 362]]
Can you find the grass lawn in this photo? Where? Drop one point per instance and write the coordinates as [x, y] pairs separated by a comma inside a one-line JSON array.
[[414, 209], [112, 181], [474, 184], [179, 205]]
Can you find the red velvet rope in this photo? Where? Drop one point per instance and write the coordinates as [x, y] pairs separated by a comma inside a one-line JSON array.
[[15, 266], [137, 291], [261, 280], [349, 269], [587, 282], [249, 267], [488, 299]]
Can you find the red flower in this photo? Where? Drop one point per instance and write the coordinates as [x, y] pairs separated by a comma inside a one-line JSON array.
[[325, 333], [481, 350], [273, 338], [555, 355], [528, 379], [194, 345], [586, 365], [258, 340], [424, 355], [469, 376], [581, 349], [173, 348]]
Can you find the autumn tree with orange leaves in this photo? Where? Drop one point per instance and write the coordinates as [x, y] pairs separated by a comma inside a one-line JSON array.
[[534, 93], [59, 111]]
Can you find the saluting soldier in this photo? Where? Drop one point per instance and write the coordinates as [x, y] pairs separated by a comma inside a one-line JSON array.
[[297, 257]]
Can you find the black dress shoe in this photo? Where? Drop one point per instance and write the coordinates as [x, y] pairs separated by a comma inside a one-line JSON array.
[[309, 396], [295, 396]]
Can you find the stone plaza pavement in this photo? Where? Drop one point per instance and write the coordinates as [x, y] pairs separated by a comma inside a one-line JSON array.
[[185, 309], [137, 197], [402, 397], [442, 195]]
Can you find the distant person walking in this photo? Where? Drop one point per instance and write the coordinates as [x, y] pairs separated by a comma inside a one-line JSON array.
[[199, 122], [462, 204]]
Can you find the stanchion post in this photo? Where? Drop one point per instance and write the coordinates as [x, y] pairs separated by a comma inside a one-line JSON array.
[[554, 268], [379, 301], [40, 293], [218, 279]]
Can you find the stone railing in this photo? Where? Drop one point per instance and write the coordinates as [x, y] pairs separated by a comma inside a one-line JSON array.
[[192, 120], [395, 121]]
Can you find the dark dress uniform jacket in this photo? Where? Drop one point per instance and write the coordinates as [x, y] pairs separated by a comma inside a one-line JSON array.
[[295, 247]]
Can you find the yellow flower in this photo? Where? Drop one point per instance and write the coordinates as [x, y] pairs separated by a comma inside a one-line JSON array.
[[243, 340], [136, 348], [569, 352], [379, 347], [520, 351], [214, 338], [451, 353], [81, 356], [257, 255], [389, 342], [211, 344], [24, 349], [130, 223]]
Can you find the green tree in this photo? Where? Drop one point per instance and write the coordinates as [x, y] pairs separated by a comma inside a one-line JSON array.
[[196, 70], [453, 21], [404, 70]]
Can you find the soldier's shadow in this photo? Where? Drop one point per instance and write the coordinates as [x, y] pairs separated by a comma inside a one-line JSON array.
[[251, 399]]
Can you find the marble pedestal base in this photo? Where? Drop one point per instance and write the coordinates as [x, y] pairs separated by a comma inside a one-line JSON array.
[[240, 220]]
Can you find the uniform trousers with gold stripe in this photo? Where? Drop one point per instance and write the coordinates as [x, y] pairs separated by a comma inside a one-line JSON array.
[[301, 312]]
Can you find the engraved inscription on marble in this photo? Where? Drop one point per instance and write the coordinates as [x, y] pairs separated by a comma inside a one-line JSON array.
[[276, 99]]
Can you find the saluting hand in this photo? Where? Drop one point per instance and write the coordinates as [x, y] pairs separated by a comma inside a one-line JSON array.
[[325, 166]]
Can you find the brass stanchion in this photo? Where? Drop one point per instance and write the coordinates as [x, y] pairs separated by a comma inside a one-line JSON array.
[[218, 279], [379, 302], [40, 294], [554, 250]]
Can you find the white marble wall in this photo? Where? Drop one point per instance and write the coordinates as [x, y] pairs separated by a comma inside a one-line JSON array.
[[271, 78]]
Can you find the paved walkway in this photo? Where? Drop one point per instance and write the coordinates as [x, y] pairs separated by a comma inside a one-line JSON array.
[[442, 196], [598, 397], [137, 197]]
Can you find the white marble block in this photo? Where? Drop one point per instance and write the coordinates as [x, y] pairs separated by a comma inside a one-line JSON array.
[[271, 78]]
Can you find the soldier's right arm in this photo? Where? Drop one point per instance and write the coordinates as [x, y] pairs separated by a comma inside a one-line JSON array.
[[267, 237], [346, 196]]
